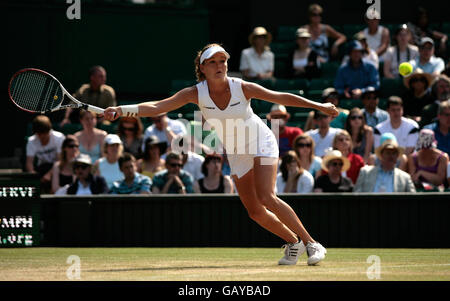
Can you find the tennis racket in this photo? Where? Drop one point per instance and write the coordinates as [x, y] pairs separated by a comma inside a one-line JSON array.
[[37, 91]]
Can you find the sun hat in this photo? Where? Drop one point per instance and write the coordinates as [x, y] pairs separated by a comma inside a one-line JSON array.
[[112, 139], [333, 155], [426, 140], [154, 140], [388, 141], [329, 91], [278, 109], [82, 159], [302, 33], [260, 31], [419, 73]]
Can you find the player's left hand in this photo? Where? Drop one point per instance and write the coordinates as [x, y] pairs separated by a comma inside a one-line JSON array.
[[330, 109], [112, 113]]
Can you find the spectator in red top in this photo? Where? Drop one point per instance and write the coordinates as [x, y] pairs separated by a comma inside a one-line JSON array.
[[278, 117], [343, 142]]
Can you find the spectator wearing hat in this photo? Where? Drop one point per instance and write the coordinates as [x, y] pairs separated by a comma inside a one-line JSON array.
[[213, 181], [293, 178], [420, 28], [426, 59], [257, 61], [85, 182], [404, 129], [385, 177], [369, 55], [355, 77], [42, 150], [329, 95], [320, 34], [334, 163], [441, 127], [151, 161], [173, 179], [402, 52], [418, 94], [130, 131], [377, 36], [285, 135], [441, 90], [165, 129], [427, 165], [305, 61], [402, 161], [133, 182], [108, 165], [324, 134], [373, 115]]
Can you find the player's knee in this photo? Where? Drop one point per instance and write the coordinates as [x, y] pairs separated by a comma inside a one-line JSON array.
[[268, 200], [257, 213]]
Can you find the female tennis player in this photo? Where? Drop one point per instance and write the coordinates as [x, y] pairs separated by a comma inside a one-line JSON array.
[[222, 98]]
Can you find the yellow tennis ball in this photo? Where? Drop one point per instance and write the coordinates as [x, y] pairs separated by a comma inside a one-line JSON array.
[[55, 97], [405, 69]]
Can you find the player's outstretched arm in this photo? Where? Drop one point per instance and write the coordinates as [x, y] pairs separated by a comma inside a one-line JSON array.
[[154, 108], [252, 90]]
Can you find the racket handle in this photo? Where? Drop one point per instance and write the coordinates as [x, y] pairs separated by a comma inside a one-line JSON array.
[[95, 109]]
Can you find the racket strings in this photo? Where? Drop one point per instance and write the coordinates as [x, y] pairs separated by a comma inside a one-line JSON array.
[[36, 91]]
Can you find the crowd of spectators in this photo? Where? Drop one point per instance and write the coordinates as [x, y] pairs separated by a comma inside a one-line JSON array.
[[401, 146]]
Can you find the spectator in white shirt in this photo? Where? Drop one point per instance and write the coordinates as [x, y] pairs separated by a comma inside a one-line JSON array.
[[258, 62], [293, 177], [324, 134], [402, 52], [404, 129], [42, 150], [165, 129]]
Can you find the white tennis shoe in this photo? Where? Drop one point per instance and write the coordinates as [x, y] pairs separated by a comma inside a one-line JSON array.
[[291, 253], [316, 252]]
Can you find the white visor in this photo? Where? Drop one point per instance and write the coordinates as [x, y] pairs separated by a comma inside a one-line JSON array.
[[211, 51]]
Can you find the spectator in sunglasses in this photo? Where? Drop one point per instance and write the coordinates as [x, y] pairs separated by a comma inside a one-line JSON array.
[[130, 131], [418, 94], [304, 146], [441, 90], [361, 133], [62, 171], [334, 163], [86, 183], [173, 179]]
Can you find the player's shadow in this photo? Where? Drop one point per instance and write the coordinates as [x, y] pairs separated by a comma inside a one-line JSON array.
[[168, 268]]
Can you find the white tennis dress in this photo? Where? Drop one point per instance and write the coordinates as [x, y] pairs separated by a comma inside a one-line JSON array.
[[243, 134]]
